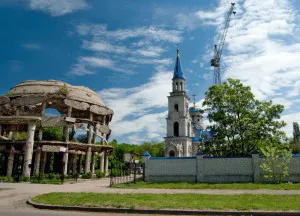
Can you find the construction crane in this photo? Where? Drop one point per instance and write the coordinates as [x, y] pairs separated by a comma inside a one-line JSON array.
[[215, 62]]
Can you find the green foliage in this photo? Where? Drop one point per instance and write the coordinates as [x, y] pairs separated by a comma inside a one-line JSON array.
[[55, 133], [99, 174], [21, 136], [24, 179], [296, 131], [64, 90], [295, 142], [8, 179], [275, 163], [240, 121], [87, 175], [154, 148]]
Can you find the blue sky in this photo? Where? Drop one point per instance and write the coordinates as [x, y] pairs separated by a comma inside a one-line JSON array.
[[125, 51]]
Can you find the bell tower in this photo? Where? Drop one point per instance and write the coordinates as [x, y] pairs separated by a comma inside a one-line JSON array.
[[178, 140]]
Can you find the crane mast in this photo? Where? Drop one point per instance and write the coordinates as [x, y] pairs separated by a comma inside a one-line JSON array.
[[215, 62]]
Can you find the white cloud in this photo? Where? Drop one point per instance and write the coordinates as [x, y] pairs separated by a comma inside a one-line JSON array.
[[33, 46], [138, 109], [165, 61], [143, 45], [150, 33], [261, 49], [84, 65], [104, 46], [57, 7]]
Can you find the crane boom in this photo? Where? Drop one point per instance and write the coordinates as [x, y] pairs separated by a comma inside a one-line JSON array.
[[215, 62]]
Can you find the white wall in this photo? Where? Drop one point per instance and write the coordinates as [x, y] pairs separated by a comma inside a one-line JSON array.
[[203, 169]]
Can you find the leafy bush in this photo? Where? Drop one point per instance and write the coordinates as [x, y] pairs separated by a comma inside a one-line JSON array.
[[87, 175], [6, 179], [24, 179], [99, 174], [53, 176]]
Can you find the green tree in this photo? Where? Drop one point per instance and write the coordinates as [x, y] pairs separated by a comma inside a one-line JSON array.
[[240, 121], [295, 143], [54, 133], [275, 163]]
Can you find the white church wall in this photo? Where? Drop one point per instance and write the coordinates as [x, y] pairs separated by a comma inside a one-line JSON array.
[[213, 169]]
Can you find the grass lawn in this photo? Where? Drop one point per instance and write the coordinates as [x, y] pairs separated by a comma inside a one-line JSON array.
[[174, 201], [186, 185]]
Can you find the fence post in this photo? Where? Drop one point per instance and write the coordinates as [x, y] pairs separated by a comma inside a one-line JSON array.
[[199, 167], [255, 162], [145, 157]]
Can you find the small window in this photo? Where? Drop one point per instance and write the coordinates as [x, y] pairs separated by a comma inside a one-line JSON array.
[[176, 129], [176, 86], [176, 107]]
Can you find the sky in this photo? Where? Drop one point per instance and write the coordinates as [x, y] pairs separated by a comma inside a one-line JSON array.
[[125, 51]]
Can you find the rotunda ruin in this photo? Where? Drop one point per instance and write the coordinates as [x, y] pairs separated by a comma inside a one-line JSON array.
[[24, 109]]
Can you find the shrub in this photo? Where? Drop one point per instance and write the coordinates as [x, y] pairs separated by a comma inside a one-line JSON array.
[[24, 179], [8, 179], [87, 175], [99, 174]]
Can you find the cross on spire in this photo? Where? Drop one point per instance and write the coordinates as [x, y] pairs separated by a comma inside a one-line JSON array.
[[194, 98]]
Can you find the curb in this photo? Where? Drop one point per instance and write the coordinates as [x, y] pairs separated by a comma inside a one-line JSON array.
[[153, 211]]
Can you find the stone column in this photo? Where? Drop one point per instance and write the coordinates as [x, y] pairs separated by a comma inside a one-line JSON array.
[[106, 163], [93, 162], [101, 162], [90, 127], [10, 163], [74, 162], [88, 160], [37, 161], [66, 153], [28, 149], [65, 161], [94, 135], [80, 162], [40, 136], [104, 122], [44, 161]]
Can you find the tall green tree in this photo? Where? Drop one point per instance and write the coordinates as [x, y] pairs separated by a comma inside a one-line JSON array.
[[296, 131], [240, 120], [295, 142]]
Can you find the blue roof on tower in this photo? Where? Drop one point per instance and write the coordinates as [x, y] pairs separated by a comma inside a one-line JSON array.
[[177, 70]]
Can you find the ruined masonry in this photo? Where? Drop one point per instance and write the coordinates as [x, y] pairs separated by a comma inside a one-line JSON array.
[[23, 108]]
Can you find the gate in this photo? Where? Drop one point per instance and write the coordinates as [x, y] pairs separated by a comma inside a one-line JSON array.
[[123, 172]]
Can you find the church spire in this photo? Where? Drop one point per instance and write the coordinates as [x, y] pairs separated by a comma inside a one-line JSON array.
[[177, 70]]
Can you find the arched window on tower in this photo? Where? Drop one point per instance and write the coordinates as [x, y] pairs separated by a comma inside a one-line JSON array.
[[176, 129], [181, 89], [176, 87], [176, 107]]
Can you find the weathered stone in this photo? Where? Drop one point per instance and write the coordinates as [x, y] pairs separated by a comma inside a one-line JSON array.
[[4, 100], [71, 120], [51, 148], [28, 100], [76, 104], [103, 128], [53, 121], [100, 110]]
